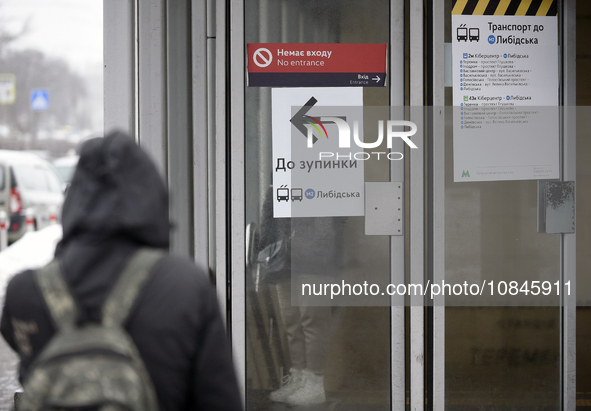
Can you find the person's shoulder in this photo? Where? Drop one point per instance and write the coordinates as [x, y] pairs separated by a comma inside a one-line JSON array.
[[179, 284], [21, 282], [182, 272], [180, 265], [22, 292]]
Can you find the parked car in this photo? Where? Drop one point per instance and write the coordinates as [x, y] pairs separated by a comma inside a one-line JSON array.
[[28, 182], [65, 167]]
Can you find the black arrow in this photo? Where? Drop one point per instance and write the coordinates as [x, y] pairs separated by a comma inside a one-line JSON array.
[[298, 119]]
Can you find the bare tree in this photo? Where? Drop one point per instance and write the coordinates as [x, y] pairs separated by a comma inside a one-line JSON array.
[[34, 70], [6, 36]]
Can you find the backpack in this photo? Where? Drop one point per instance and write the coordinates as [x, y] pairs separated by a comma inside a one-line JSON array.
[[91, 366]]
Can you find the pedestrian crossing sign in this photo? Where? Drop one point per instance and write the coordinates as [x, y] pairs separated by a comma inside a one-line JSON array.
[[39, 100]]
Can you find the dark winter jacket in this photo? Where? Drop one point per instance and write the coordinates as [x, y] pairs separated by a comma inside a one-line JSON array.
[[117, 203]]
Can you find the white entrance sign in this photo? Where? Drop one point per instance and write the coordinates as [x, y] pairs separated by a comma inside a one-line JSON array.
[[505, 96], [315, 172]]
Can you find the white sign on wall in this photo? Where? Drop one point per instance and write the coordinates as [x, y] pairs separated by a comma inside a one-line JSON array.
[[505, 96], [314, 173]]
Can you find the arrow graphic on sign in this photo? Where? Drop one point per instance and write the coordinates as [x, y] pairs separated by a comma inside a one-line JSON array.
[[376, 78], [300, 117]]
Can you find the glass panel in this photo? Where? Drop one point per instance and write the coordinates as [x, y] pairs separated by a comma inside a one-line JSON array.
[[53, 180], [346, 348], [498, 356], [31, 177], [583, 212]]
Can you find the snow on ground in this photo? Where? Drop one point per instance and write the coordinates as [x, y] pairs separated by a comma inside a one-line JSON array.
[[33, 250]]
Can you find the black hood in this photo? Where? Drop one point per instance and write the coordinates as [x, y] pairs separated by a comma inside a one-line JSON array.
[[117, 202], [116, 193]]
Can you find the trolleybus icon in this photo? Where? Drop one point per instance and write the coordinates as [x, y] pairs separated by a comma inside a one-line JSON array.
[[283, 194], [462, 34]]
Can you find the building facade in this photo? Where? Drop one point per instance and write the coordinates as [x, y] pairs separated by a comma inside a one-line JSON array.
[[492, 201]]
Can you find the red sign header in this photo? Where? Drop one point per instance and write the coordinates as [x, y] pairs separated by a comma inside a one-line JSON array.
[[332, 64]]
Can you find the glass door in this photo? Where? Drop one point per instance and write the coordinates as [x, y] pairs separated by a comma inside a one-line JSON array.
[[332, 354], [503, 347]]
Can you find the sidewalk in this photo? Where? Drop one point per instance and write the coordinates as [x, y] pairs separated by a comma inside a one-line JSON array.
[[8, 381]]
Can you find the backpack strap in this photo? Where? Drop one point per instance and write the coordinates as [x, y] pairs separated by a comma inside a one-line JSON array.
[[56, 293], [129, 284]]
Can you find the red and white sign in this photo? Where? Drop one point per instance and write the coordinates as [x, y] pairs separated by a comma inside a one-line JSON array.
[[316, 65], [262, 57]]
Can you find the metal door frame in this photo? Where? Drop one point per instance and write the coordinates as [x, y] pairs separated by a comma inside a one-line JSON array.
[[569, 173], [398, 244], [236, 130], [158, 89]]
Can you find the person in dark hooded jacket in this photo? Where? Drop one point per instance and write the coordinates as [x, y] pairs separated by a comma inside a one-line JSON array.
[[117, 203]]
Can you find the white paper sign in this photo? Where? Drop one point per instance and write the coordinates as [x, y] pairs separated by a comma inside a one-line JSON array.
[[314, 171], [505, 94]]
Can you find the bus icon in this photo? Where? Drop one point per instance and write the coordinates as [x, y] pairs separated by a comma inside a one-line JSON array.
[[463, 33], [297, 194]]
